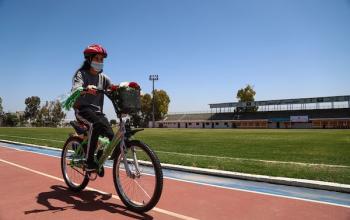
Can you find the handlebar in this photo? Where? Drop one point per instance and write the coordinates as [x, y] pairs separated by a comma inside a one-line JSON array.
[[109, 95], [106, 92]]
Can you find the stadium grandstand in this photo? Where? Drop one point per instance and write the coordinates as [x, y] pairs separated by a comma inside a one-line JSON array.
[[319, 112]]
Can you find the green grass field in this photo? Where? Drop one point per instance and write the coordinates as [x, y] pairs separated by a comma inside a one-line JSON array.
[[307, 154]]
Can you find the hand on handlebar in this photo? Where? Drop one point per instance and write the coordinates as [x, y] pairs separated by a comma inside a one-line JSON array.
[[93, 90], [90, 89], [113, 87]]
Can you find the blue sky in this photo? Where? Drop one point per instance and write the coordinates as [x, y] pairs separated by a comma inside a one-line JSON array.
[[203, 51]]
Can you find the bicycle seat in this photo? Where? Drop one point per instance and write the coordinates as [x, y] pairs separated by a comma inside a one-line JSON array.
[[80, 128]]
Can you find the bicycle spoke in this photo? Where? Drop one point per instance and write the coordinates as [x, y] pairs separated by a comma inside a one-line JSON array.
[[72, 164], [140, 187], [78, 171]]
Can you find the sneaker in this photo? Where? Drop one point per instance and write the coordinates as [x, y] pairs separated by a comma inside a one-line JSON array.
[[99, 155], [101, 172], [92, 166]]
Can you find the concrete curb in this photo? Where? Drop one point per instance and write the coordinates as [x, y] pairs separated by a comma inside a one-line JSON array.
[[244, 176], [330, 186]]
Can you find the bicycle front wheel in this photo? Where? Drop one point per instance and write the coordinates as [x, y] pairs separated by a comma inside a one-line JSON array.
[[140, 191]]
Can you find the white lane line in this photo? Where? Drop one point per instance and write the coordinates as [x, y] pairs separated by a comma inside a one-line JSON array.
[[217, 186], [214, 157], [163, 211]]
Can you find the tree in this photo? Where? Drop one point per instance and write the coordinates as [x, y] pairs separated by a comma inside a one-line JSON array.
[[22, 120], [1, 112], [146, 110], [136, 120], [1, 109], [246, 95], [32, 107], [162, 101], [161, 105], [50, 114], [11, 119], [56, 113], [42, 116]]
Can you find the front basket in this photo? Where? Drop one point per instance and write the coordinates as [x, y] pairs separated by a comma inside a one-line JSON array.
[[129, 101]]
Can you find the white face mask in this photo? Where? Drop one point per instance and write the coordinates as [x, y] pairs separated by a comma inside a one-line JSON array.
[[97, 66]]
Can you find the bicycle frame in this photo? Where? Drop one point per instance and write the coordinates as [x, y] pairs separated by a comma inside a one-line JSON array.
[[118, 138]]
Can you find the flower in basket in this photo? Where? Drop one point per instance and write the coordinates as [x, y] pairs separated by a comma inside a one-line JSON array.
[[134, 85], [129, 85]]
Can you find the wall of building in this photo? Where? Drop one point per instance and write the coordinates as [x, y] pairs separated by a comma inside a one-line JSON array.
[[194, 125], [231, 124], [331, 123], [250, 124], [301, 125], [214, 124]]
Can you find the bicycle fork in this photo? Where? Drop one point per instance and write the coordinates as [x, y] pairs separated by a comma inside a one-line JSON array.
[[126, 162]]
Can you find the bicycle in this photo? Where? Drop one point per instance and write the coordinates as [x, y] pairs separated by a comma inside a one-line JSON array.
[[137, 172]]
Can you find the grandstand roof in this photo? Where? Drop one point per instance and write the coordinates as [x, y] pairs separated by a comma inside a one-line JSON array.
[[329, 99]]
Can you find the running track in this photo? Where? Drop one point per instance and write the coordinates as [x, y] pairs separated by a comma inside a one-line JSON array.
[[31, 187]]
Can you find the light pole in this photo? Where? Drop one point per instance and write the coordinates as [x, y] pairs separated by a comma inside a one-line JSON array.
[[153, 78]]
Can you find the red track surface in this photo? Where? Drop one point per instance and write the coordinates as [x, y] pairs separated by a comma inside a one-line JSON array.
[[32, 187]]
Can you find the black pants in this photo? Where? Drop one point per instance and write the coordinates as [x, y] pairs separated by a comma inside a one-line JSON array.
[[98, 124]]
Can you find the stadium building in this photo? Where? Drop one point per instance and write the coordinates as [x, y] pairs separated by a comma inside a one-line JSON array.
[[319, 112]]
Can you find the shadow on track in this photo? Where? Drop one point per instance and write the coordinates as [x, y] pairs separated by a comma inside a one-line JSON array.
[[84, 201]]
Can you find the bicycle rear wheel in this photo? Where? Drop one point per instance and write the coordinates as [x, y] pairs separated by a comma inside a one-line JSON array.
[[141, 191], [72, 163]]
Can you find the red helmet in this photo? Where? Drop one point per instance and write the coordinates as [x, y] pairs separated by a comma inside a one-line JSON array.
[[95, 49]]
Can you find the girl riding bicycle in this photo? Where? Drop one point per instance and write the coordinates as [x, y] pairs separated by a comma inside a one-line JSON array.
[[89, 106], [137, 172]]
